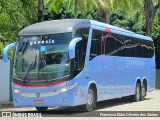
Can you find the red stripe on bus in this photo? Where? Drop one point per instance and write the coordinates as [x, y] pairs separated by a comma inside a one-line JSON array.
[[42, 86]]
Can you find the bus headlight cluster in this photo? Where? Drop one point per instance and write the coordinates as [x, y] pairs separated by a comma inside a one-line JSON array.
[[67, 88], [16, 91], [62, 90]]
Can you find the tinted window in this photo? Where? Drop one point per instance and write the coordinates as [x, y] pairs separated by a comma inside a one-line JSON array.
[[144, 48], [119, 45], [130, 46], [111, 45], [96, 44], [150, 48]]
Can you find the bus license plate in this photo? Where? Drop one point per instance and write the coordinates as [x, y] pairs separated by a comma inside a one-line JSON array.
[[38, 101]]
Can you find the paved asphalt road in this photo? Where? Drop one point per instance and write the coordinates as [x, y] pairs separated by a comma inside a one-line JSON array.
[[151, 103]]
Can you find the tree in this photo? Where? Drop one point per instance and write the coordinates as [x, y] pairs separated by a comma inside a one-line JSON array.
[[105, 7], [150, 9], [113, 6], [156, 37], [74, 5], [40, 10], [133, 23], [67, 14], [15, 14]]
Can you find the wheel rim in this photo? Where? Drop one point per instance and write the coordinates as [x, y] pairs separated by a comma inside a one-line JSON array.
[[90, 101], [143, 91], [138, 93]]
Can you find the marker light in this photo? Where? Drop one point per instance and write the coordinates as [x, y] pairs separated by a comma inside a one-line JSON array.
[[108, 30]]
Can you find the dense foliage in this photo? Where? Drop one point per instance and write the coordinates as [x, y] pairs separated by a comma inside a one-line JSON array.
[[14, 15]]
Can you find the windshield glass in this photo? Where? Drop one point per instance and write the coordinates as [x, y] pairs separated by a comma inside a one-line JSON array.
[[42, 57]]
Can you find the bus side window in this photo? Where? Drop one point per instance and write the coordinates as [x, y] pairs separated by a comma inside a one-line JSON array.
[[144, 49], [96, 44], [151, 49], [139, 48], [130, 46], [115, 45], [110, 45], [120, 45], [78, 57]]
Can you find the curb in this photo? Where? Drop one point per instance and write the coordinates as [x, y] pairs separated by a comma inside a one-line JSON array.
[[6, 105]]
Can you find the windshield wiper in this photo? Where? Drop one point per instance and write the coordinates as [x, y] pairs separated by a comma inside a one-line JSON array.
[[31, 67]]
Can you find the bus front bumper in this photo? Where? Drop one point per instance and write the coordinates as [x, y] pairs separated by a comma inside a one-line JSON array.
[[49, 99]]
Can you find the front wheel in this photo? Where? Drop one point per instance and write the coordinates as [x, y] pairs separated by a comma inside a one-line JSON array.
[[91, 101], [41, 108]]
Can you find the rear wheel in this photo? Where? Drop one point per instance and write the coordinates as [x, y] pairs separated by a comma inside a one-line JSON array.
[[41, 108], [137, 96], [91, 101], [143, 92]]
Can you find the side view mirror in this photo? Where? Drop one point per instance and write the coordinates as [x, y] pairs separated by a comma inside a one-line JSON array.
[[5, 51], [72, 47]]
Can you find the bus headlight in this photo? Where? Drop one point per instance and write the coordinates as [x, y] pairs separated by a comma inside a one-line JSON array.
[[16, 91], [67, 88], [62, 90]]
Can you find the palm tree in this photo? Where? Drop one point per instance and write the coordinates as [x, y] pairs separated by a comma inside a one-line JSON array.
[[82, 6], [75, 5]]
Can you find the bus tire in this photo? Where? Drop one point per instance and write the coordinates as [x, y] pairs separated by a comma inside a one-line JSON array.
[[143, 92], [137, 96], [91, 101], [41, 108]]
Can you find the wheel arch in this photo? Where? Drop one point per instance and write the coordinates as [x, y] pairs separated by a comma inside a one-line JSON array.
[[138, 80]]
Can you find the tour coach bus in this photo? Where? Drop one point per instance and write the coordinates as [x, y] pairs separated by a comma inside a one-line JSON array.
[[75, 62]]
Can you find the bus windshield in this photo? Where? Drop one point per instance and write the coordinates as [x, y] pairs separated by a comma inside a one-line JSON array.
[[44, 58]]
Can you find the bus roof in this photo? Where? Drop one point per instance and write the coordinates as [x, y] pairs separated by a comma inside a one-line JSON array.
[[70, 25], [55, 26]]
